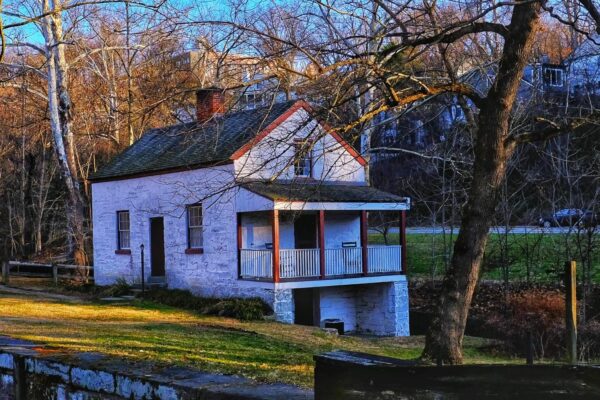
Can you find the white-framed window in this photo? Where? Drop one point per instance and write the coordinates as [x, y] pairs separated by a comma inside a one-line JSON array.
[[553, 76], [303, 158], [253, 100], [123, 230], [194, 222]]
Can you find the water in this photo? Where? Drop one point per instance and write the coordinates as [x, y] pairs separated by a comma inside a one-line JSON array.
[[40, 389]]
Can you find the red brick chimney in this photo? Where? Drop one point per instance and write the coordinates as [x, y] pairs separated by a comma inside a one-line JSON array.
[[210, 102]]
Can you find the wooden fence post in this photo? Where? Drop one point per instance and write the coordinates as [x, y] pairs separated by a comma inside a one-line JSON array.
[[55, 274], [5, 272], [571, 310]]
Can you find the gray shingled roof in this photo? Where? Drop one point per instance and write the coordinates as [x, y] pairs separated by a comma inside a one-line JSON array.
[[190, 144], [320, 192]]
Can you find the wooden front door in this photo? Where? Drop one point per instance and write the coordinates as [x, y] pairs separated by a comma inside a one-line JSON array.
[[157, 246], [305, 232]]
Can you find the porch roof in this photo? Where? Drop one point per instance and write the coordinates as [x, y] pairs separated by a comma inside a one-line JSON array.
[[321, 192]]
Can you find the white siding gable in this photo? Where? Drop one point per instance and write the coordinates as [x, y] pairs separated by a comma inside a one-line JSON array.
[[273, 156]]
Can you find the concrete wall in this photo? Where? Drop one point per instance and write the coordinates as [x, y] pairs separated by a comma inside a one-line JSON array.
[[355, 376], [257, 231], [379, 309], [341, 227], [339, 302], [272, 156], [382, 309]]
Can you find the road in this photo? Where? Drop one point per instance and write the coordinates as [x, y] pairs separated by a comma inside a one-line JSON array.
[[496, 229]]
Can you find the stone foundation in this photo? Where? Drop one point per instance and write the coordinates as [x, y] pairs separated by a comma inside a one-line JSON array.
[[378, 308], [283, 305], [382, 309]]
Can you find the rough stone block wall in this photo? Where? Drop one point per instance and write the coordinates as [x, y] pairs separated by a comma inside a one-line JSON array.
[[382, 309], [339, 302], [283, 305], [213, 273]]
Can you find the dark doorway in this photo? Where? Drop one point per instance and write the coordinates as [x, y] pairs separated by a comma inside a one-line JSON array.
[[157, 246], [306, 307], [305, 232]]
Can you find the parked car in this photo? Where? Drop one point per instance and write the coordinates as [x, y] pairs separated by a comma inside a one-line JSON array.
[[570, 217]]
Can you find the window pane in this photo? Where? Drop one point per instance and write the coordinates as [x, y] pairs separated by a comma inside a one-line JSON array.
[[124, 220], [195, 237], [303, 160], [195, 216], [124, 240], [123, 226], [195, 226]]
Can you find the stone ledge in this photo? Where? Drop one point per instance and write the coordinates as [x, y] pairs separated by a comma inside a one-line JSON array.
[[100, 374]]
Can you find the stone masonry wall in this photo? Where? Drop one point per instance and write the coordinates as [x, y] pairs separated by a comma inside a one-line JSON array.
[[382, 309], [339, 302], [213, 273], [283, 305]]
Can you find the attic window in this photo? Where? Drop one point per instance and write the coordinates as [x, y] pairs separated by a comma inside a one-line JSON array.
[[303, 158], [553, 76]]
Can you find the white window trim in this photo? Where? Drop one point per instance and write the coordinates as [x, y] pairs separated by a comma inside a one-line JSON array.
[[190, 226], [120, 231]]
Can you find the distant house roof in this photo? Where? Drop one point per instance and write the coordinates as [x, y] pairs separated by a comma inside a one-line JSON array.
[[315, 191], [193, 145]]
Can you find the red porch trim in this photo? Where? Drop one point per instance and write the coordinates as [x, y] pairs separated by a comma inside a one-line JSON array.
[[402, 239], [239, 243], [275, 238], [321, 225], [364, 241]]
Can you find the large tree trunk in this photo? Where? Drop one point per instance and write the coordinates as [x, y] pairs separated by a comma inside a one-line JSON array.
[[492, 152], [59, 109]]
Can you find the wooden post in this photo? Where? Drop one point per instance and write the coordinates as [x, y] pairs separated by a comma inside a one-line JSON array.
[[529, 348], [55, 274], [20, 377], [321, 225], [364, 241], [571, 310], [275, 238], [402, 239], [5, 272], [239, 244]]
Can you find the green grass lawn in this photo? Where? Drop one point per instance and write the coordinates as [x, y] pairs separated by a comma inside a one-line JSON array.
[[143, 331], [543, 255]]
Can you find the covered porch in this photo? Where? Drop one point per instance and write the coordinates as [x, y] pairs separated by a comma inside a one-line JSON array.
[[323, 236]]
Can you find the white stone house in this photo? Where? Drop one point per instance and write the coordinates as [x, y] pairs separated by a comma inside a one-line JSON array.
[[265, 203]]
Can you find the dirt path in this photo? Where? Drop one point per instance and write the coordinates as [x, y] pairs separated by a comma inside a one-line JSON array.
[[39, 294]]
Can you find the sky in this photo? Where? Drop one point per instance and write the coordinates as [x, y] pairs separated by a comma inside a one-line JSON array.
[[200, 9]]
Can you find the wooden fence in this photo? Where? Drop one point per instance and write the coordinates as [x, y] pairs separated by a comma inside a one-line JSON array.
[[51, 271]]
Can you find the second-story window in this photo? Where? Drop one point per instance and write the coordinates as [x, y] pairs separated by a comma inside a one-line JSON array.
[[123, 231], [194, 219], [303, 159], [553, 76]]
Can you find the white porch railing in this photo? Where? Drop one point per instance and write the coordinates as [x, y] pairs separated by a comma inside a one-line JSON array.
[[299, 263], [384, 259], [344, 261], [305, 263], [256, 263]]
